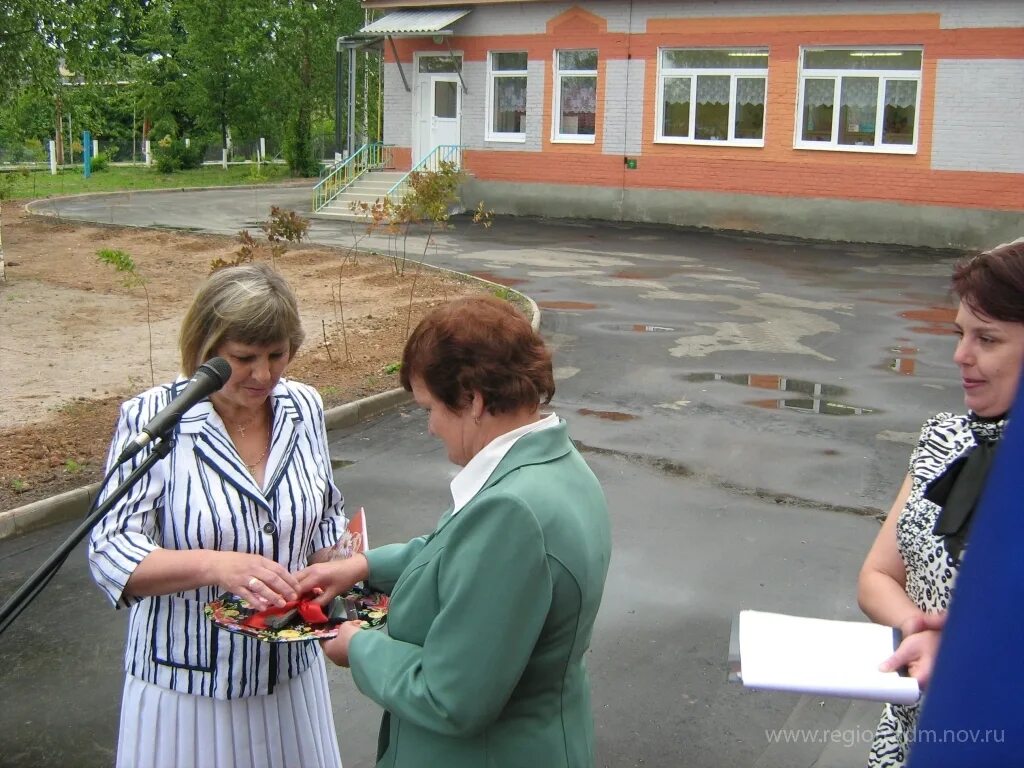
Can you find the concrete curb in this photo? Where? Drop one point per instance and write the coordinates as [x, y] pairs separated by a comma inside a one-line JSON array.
[[75, 503], [27, 208]]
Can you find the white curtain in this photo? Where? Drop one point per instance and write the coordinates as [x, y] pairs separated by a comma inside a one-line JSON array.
[[750, 90], [860, 92], [579, 95], [510, 94], [677, 90], [819, 93], [713, 90], [901, 93]]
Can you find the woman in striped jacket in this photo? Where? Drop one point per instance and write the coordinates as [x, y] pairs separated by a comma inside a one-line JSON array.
[[245, 498]]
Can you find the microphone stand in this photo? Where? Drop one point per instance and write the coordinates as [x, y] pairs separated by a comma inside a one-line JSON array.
[[38, 580]]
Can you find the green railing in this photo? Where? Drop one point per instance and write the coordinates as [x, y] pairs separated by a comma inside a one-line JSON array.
[[369, 157], [442, 153]]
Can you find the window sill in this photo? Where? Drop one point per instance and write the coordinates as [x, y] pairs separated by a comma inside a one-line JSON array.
[[857, 148], [574, 140], [710, 142], [509, 138]]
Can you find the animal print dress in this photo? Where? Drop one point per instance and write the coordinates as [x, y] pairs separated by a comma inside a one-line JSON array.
[[931, 570]]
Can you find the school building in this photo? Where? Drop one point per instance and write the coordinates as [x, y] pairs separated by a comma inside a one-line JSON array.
[[895, 121]]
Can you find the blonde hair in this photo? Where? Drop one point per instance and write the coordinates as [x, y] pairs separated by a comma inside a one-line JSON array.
[[248, 304]]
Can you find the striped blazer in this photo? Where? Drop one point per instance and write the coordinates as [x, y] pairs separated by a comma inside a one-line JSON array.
[[202, 497]]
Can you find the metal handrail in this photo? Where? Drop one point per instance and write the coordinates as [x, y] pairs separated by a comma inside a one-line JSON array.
[[371, 156], [442, 153]]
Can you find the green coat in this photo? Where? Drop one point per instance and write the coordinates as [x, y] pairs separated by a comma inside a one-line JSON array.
[[490, 618]]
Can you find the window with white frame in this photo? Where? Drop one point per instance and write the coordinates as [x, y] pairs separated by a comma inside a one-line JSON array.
[[712, 96], [575, 112], [859, 99], [506, 96]]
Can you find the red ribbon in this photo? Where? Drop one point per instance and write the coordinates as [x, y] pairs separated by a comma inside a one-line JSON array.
[[311, 612]]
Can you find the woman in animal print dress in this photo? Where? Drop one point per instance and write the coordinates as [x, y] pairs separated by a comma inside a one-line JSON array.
[[908, 576]]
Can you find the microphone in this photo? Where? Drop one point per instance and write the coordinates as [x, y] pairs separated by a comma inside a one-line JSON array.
[[208, 378]]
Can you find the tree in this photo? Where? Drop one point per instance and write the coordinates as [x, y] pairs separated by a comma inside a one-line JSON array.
[[304, 34]]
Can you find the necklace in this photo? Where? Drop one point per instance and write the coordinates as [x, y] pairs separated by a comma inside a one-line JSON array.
[[252, 467], [242, 427]]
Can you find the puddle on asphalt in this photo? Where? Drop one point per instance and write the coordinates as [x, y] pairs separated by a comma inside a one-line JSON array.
[[648, 273], [938, 321], [499, 279], [812, 405], [639, 328], [819, 398], [341, 463], [566, 305], [609, 415], [905, 362]]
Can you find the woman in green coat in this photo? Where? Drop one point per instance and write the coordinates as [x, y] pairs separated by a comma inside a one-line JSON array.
[[492, 613]]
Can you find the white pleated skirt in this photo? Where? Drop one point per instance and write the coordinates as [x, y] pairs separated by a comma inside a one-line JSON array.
[[292, 728]]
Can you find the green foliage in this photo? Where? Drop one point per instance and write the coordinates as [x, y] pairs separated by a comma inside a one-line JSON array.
[[122, 264], [39, 183], [172, 154], [19, 486], [298, 148], [99, 162], [73, 467], [391, 368]]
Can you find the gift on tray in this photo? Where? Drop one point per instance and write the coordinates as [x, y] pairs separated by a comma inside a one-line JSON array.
[[305, 618]]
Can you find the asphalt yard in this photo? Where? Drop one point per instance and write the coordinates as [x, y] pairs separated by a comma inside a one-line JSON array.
[[748, 403]]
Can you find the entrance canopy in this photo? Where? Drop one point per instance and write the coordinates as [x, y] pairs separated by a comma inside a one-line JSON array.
[[415, 23]]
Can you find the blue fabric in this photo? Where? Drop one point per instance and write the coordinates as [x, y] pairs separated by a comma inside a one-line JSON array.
[[973, 713]]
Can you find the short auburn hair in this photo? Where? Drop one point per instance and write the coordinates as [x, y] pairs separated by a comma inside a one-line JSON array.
[[479, 344], [992, 283], [247, 304]]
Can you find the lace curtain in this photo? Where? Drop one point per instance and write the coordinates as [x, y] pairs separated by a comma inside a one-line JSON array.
[[901, 93], [713, 90], [510, 93], [860, 92], [579, 95], [750, 90]]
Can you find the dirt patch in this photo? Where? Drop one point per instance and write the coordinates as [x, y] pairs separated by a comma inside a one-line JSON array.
[[75, 342]]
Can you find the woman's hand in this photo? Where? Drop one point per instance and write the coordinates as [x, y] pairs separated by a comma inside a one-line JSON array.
[[260, 581], [919, 649], [337, 647], [333, 577]]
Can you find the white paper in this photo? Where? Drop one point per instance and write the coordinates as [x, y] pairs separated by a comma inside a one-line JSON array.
[[820, 656]]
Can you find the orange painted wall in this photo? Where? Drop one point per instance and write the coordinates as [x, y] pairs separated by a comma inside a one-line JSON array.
[[777, 168]]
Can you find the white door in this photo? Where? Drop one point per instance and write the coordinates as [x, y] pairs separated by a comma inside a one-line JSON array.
[[438, 118]]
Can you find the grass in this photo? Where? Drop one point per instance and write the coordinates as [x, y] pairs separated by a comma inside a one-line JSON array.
[[20, 185]]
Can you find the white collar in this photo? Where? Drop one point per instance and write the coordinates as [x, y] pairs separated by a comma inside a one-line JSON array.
[[471, 478]]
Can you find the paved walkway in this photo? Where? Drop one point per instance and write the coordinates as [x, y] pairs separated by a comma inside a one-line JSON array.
[[748, 403]]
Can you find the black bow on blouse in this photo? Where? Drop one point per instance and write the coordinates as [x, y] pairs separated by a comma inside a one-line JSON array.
[[958, 491]]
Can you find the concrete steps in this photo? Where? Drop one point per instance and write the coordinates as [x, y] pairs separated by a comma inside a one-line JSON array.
[[368, 188]]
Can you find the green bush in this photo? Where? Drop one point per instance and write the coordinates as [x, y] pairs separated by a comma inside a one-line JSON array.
[[172, 154], [34, 151], [99, 162]]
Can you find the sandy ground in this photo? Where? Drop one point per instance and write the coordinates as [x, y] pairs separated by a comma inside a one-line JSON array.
[[75, 341]]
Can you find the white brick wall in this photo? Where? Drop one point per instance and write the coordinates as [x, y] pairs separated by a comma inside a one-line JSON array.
[[474, 109], [514, 19], [979, 116], [397, 106], [623, 117]]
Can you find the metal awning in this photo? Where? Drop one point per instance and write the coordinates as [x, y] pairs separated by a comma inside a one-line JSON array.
[[415, 23]]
